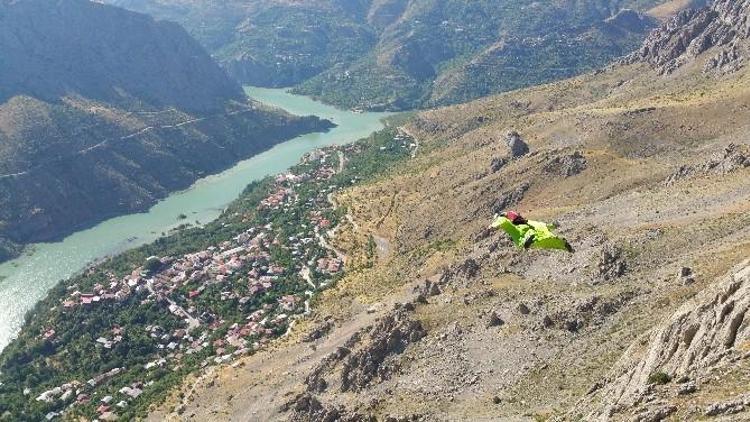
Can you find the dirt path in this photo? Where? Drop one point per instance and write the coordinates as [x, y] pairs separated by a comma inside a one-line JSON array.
[[324, 243], [348, 216], [392, 205], [305, 274]]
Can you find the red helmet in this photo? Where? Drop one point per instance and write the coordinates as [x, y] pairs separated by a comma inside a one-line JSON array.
[[512, 215], [515, 217]]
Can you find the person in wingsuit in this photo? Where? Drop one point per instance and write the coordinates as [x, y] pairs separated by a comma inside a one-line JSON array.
[[529, 234]]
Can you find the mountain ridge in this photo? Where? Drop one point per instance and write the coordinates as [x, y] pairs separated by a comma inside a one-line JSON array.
[[722, 25], [401, 54], [66, 59]]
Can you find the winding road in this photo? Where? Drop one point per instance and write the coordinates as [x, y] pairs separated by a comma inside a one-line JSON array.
[[191, 320], [135, 134]]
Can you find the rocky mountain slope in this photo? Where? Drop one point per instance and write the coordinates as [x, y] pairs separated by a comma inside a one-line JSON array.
[[401, 54], [646, 175], [439, 53], [103, 111], [695, 345], [723, 27]]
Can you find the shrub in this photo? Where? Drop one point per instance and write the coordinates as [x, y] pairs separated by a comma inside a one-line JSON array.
[[659, 378]]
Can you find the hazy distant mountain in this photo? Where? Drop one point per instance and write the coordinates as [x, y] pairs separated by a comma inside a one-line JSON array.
[[271, 42], [409, 53], [103, 111]]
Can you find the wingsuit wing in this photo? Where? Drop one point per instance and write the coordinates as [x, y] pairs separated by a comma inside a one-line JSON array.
[[516, 233], [546, 239]]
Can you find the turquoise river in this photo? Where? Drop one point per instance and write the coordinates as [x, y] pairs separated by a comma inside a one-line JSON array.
[[26, 280]]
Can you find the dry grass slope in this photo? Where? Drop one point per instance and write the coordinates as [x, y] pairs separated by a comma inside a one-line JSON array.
[[515, 335]]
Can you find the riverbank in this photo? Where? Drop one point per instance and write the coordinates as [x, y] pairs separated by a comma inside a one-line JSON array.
[[124, 170], [26, 280]]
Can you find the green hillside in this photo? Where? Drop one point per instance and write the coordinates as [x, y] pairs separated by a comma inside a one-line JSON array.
[[403, 54]]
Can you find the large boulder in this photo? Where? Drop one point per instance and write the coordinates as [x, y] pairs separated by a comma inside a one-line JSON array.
[[516, 144]]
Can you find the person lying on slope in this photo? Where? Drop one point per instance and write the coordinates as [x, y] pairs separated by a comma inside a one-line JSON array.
[[529, 234]]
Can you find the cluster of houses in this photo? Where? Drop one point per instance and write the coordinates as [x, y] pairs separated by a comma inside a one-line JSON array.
[[78, 393], [114, 291], [242, 269], [276, 199]]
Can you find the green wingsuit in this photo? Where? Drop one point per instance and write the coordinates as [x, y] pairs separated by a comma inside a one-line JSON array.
[[532, 234]]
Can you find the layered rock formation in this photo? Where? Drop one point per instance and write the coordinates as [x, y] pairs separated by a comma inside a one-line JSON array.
[[723, 25], [702, 336]]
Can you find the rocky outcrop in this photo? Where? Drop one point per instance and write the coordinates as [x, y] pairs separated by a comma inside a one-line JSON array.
[[611, 265], [497, 164], [705, 333], [428, 289], [655, 415], [366, 356], [731, 407], [727, 160], [510, 197], [461, 273], [320, 331], [307, 408], [586, 312], [722, 27], [567, 165], [389, 337], [518, 147]]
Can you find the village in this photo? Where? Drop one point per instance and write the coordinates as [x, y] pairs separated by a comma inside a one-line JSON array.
[[222, 301], [242, 271]]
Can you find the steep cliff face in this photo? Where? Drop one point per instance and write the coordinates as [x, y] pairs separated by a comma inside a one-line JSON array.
[[722, 27], [104, 111], [702, 338]]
